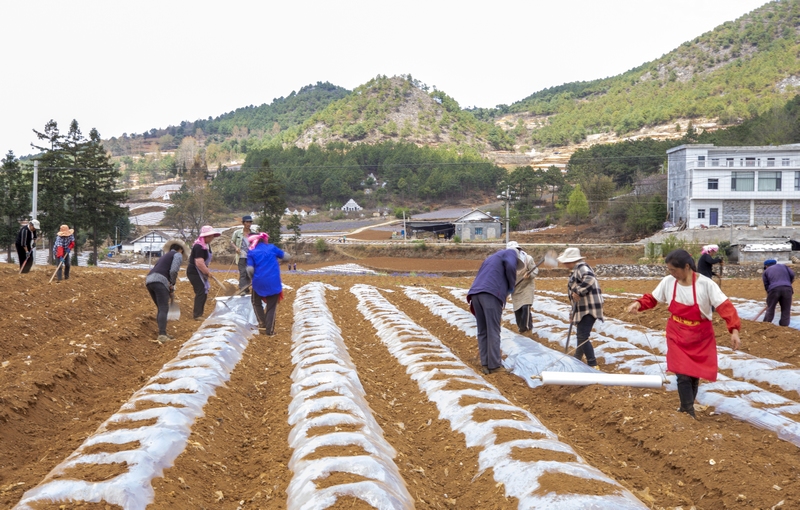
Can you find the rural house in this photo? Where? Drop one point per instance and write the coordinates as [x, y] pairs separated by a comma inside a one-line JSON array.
[[477, 225], [711, 186], [351, 206]]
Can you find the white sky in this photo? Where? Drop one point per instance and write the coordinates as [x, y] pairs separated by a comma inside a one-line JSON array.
[[131, 66]]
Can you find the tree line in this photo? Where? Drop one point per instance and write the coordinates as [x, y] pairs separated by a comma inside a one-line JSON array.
[[77, 186]]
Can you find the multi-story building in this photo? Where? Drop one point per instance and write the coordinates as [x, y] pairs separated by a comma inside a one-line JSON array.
[[752, 186]]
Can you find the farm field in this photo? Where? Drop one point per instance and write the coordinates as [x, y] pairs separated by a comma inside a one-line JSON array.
[[369, 391]]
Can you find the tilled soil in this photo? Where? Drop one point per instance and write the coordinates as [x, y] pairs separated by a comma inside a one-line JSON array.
[[78, 349]]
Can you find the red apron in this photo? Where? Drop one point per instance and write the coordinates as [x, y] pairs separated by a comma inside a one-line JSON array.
[[691, 345]]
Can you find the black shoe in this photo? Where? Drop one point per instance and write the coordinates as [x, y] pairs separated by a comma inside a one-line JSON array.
[[690, 411], [498, 369], [485, 370]]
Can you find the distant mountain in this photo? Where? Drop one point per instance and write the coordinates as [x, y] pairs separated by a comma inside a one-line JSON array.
[[400, 109], [732, 73]]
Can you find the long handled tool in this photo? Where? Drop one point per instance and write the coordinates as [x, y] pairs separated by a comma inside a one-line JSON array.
[[59, 266], [549, 260], [25, 263], [759, 313], [571, 321], [174, 312]]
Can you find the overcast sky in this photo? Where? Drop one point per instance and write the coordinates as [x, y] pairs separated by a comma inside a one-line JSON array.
[[131, 66]]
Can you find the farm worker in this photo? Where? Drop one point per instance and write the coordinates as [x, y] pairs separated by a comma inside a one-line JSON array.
[[707, 260], [161, 281], [25, 243], [198, 270], [587, 302], [487, 296], [62, 248], [778, 280], [241, 247], [691, 344], [522, 297], [265, 273]]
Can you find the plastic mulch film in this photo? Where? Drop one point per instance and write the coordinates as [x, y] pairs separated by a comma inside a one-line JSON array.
[[203, 364], [414, 346], [740, 399], [327, 393]]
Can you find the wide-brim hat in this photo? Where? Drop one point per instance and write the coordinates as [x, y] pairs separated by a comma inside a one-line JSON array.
[[173, 242], [64, 231], [208, 231], [512, 244], [570, 255]]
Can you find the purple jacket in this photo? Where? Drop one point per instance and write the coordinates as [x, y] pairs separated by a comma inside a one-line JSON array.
[[497, 275], [777, 275]]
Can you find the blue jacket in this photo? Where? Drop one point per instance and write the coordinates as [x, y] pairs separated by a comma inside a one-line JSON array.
[[497, 275], [267, 276], [777, 275]]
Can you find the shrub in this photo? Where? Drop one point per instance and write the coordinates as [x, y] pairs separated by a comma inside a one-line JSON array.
[[456, 239], [321, 245]]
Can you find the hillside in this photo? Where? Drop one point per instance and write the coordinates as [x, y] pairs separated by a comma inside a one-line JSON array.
[[737, 70], [400, 109]]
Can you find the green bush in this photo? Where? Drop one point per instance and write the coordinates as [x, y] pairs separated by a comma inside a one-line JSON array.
[[420, 245], [321, 245], [456, 239]]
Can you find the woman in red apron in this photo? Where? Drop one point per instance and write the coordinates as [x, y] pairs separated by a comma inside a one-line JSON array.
[[691, 344]]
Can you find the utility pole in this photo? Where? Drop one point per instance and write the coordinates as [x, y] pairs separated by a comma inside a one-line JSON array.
[[404, 225], [35, 205], [506, 195]]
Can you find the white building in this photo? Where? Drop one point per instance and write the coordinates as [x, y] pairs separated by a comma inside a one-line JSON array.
[[752, 186], [351, 206]]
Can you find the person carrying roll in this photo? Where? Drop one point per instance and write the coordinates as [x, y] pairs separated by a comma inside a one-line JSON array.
[[691, 342], [522, 297], [160, 283], [198, 270]]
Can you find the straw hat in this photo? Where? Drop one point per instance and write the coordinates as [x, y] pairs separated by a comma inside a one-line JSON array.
[[208, 231], [173, 242], [64, 231], [570, 255]]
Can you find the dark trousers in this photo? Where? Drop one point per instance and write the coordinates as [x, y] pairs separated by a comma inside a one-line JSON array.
[[687, 392], [21, 254], [488, 314], [65, 266], [582, 331], [783, 296], [160, 296], [199, 286], [523, 317], [244, 278], [265, 312]]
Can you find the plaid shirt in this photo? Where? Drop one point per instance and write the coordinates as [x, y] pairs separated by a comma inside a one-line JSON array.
[[583, 282], [62, 241]]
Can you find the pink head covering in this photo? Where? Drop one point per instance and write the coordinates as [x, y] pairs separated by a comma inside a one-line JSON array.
[[711, 248], [205, 232], [254, 239]]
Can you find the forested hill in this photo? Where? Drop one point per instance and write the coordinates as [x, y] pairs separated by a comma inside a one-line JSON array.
[[265, 122], [737, 70], [401, 109]]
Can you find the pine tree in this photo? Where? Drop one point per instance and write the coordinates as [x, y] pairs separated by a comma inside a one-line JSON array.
[[15, 198], [578, 206], [267, 191]]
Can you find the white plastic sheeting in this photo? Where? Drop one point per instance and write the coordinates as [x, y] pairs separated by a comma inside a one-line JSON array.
[[742, 400], [415, 348], [204, 363], [523, 356], [343, 269], [323, 365]]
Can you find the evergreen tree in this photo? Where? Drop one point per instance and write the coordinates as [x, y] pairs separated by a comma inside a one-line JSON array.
[[15, 199], [294, 225], [578, 206], [268, 193]]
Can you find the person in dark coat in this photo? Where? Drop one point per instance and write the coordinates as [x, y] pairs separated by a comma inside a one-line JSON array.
[[493, 284], [160, 283], [706, 262], [198, 270], [25, 243], [778, 280]]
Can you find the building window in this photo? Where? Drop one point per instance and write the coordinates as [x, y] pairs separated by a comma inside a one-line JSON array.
[[729, 162], [797, 181], [478, 231], [770, 161], [742, 181], [785, 162], [749, 161], [769, 181], [701, 214], [701, 161], [713, 184], [714, 161]]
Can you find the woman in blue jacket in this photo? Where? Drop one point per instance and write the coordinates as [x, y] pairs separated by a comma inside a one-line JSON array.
[[265, 274]]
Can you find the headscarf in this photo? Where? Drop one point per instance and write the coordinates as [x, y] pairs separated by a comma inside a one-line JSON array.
[[710, 248], [206, 231], [254, 239]]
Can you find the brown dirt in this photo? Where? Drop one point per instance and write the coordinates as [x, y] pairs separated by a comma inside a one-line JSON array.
[[238, 450]]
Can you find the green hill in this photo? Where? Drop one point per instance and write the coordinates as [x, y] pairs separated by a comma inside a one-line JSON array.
[[732, 73]]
